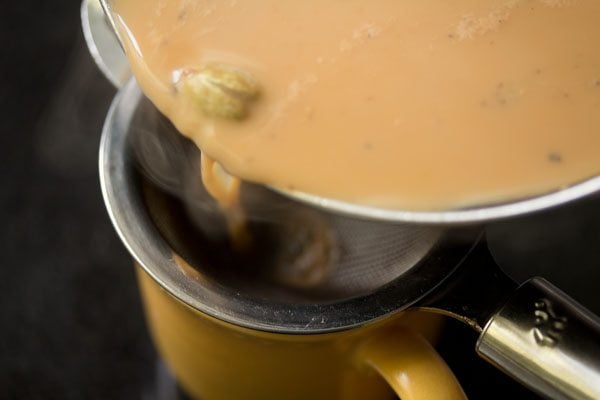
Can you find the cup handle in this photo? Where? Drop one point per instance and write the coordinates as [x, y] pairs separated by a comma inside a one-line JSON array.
[[410, 366]]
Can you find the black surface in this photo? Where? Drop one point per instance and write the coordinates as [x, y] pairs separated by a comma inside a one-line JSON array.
[[70, 320], [71, 325]]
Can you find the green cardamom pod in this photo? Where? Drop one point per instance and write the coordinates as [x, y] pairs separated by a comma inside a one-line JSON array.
[[220, 90]]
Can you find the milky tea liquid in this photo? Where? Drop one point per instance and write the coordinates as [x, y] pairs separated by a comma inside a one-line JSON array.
[[422, 105]]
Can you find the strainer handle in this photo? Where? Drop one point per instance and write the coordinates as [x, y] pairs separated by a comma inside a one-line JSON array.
[[546, 340]]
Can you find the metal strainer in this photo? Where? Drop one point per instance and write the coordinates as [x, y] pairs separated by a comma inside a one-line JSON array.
[[298, 253], [358, 270]]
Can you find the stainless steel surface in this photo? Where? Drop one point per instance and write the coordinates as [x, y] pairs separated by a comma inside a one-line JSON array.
[[547, 341], [228, 299], [103, 44], [480, 214], [106, 7]]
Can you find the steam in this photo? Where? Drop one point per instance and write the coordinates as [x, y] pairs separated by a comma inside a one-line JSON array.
[[67, 134], [172, 163]]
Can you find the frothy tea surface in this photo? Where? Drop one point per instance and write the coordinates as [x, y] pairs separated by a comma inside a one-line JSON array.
[[423, 105]]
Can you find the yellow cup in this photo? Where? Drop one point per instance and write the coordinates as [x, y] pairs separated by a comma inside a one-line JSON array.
[[216, 360]]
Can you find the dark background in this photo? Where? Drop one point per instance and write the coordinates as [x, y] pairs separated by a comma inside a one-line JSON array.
[[71, 325], [70, 320]]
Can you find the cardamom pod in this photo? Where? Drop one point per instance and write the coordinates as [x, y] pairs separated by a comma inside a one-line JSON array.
[[220, 90]]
